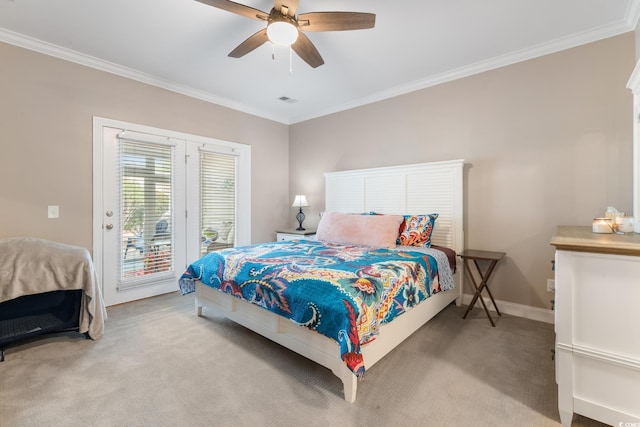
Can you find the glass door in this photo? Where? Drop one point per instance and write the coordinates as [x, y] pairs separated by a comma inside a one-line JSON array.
[[144, 243], [163, 199]]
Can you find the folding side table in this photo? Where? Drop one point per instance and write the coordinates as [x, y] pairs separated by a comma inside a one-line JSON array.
[[475, 256]]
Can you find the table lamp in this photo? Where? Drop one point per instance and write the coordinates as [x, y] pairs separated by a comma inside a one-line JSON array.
[[299, 202]]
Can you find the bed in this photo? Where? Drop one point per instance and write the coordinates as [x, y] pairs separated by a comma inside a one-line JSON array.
[[414, 281], [45, 287]]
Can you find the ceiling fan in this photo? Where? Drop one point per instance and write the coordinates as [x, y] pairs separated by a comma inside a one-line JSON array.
[[284, 28]]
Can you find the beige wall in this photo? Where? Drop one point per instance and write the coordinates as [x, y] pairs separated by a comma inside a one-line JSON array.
[[46, 110], [546, 142]]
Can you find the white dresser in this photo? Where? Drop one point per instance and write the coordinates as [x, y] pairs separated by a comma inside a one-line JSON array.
[[597, 309], [282, 235]]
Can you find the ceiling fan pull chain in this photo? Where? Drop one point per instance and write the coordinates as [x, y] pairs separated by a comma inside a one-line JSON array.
[[290, 60], [273, 51]]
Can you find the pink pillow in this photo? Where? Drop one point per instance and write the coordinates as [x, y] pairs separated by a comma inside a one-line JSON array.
[[368, 230]]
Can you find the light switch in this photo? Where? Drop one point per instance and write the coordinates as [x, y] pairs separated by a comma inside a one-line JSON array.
[[53, 211]]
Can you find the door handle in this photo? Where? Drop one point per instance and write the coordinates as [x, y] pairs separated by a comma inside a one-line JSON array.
[[108, 226]]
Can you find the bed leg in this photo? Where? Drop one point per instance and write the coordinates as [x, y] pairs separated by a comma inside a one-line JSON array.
[[2, 349], [198, 308], [350, 388]]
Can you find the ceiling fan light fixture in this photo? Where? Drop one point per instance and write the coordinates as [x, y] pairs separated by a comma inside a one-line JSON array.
[[285, 28], [282, 33]]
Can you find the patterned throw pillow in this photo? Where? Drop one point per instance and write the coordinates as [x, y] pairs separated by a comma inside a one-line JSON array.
[[416, 230]]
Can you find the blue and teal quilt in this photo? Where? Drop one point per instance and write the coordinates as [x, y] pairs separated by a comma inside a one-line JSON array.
[[344, 292]]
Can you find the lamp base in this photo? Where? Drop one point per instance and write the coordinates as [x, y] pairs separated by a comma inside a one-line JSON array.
[[300, 217]]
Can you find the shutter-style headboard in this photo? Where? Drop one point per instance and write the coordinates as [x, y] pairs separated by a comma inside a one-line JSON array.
[[411, 189]]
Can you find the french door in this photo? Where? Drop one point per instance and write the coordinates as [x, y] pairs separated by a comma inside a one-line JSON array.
[[161, 200]]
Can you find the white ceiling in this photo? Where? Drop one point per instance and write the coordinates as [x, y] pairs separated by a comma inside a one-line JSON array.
[[182, 45]]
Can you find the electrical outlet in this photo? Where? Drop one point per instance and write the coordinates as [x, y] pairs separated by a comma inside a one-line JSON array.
[[551, 285], [53, 212]]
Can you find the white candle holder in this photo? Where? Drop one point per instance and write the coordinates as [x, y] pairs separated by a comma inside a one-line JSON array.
[[603, 225], [624, 225]]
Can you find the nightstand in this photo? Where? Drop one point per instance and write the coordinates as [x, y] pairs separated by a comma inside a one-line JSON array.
[[293, 234]]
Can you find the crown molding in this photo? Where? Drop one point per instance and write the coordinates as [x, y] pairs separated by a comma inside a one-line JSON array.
[[628, 24], [604, 32], [633, 14], [50, 49]]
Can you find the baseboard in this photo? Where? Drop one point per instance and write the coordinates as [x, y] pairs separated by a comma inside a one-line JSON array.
[[513, 309]]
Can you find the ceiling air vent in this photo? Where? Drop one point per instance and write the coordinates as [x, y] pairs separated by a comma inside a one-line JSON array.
[[287, 99]]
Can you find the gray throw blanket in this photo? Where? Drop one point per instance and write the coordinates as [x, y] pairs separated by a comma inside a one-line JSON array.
[[32, 266]]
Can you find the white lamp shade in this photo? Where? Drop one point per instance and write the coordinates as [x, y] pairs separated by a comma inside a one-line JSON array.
[[282, 33], [300, 201]]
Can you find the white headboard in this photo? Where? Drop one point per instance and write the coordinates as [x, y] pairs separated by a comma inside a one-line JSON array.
[[411, 189]]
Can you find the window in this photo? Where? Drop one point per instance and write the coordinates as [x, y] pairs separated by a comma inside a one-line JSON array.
[[217, 200], [146, 176]]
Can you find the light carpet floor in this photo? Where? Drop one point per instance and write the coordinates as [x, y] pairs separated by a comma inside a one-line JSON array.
[[158, 364]]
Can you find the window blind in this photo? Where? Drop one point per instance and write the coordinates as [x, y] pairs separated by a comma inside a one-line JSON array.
[[146, 183], [217, 200]]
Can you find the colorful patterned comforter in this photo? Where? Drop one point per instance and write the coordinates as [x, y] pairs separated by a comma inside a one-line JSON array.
[[344, 292]]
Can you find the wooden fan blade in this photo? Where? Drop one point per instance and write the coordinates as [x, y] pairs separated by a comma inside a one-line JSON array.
[[237, 8], [307, 51], [255, 41], [291, 5], [336, 21]]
